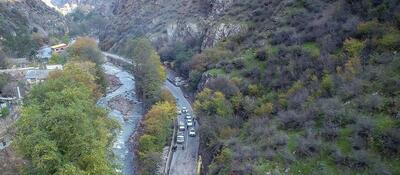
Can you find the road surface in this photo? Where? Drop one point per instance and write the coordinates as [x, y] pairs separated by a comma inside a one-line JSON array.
[[184, 162]]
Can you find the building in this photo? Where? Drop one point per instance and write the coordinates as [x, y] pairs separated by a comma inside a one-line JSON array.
[[44, 53], [36, 76], [59, 48]]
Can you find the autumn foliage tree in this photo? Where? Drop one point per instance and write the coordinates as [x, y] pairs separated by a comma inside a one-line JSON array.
[[158, 129]]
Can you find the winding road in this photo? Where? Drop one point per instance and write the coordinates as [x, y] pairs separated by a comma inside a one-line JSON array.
[[183, 162]]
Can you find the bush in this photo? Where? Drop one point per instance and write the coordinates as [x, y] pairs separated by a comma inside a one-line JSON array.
[[370, 28], [312, 49], [224, 85], [390, 41], [353, 47], [291, 119], [327, 83], [4, 112], [308, 146]]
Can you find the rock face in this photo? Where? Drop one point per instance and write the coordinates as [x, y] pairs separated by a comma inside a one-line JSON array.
[[167, 22], [67, 6]]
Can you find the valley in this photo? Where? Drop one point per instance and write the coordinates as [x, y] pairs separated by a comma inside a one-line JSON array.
[[199, 87]]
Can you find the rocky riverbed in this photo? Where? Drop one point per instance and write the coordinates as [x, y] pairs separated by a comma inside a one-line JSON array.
[[125, 108]]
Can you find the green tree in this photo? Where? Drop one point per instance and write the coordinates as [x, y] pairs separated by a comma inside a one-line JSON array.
[[212, 103], [61, 130], [148, 70]]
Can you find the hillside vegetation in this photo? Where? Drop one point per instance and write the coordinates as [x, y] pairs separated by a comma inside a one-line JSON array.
[[312, 87]]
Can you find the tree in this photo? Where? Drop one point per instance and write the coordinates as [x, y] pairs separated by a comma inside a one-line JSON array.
[[212, 103], [148, 70], [157, 132], [61, 130], [87, 50]]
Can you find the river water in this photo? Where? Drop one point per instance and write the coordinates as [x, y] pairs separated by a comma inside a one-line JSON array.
[[129, 124]]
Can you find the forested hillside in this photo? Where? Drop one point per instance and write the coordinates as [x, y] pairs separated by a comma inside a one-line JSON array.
[[311, 88], [286, 87]]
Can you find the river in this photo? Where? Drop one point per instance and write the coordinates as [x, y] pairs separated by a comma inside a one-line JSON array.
[[128, 122]]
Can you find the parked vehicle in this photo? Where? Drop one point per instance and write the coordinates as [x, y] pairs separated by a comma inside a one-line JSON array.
[[181, 126], [192, 132], [179, 112], [180, 138], [189, 122], [188, 116]]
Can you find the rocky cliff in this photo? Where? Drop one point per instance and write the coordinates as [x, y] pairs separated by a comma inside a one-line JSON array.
[[167, 22], [67, 6]]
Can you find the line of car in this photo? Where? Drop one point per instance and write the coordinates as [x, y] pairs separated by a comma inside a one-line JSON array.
[[185, 125]]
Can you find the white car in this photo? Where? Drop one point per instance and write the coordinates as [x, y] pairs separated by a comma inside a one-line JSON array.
[[179, 112], [188, 116], [181, 126], [184, 110], [192, 132], [180, 138], [189, 122]]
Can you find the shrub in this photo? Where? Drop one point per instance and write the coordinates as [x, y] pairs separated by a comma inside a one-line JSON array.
[[387, 142], [327, 83], [308, 146], [4, 112], [291, 119], [224, 85], [369, 28], [264, 109], [353, 47], [212, 103], [261, 55], [371, 102], [298, 99], [390, 41], [312, 49], [359, 160]]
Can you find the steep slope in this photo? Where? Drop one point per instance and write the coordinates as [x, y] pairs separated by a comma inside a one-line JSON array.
[[68, 6], [197, 23], [283, 86], [23, 21]]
